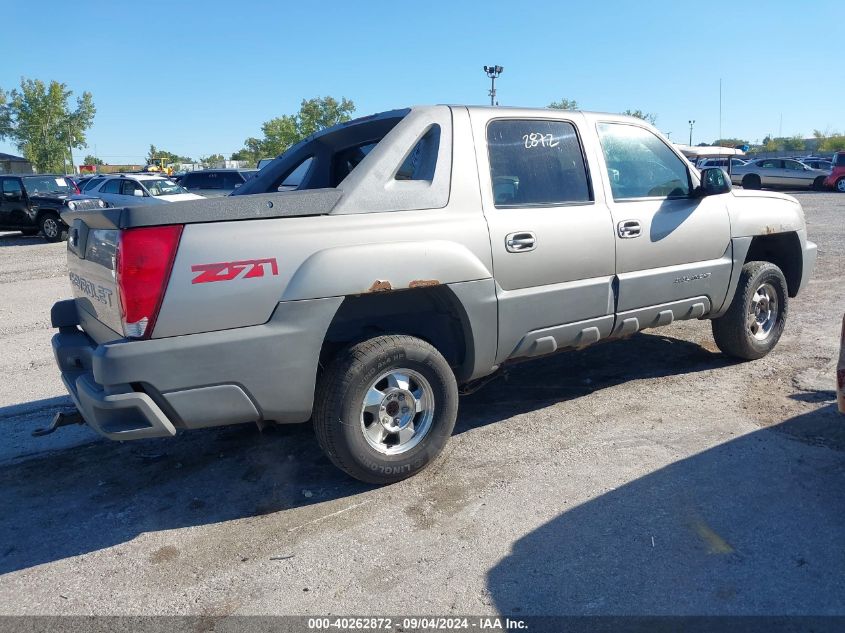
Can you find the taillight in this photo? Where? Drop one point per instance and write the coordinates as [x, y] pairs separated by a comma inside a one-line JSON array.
[[144, 261]]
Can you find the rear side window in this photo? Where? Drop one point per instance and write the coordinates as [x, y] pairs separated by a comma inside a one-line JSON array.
[[422, 159], [536, 163], [640, 165], [839, 159], [92, 183], [111, 186], [294, 179]]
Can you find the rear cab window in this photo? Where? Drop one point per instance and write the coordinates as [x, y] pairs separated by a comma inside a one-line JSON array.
[[536, 163]]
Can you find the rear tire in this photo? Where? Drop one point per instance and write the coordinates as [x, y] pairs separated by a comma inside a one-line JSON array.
[[840, 185], [386, 408], [754, 322], [751, 181], [53, 229]]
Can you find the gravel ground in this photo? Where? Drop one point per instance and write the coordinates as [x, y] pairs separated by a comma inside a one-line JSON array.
[[648, 476]]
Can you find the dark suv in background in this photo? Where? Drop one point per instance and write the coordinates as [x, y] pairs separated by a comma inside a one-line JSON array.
[[34, 203], [836, 180], [215, 182]]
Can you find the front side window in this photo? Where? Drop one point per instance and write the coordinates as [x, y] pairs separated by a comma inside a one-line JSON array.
[[771, 164], [129, 187], [536, 163], [640, 165], [163, 187]]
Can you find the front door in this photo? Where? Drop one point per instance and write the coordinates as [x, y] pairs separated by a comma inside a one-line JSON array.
[[673, 257], [552, 241]]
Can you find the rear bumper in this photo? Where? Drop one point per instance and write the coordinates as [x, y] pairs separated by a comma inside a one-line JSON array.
[[130, 390]]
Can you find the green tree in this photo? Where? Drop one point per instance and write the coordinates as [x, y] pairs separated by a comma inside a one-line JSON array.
[[793, 143], [834, 143], [38, 120], [155, 155], [645, 116], [563, 104], [281, 132], [729, 142], [211, 159], [92, 160]]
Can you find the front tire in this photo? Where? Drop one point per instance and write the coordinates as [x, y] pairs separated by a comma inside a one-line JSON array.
[[840, 185], [754, 322], [386, 408], [53, 229], [818, 184], [751, 181]]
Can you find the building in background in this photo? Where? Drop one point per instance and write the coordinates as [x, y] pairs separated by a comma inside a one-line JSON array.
[[11, 164]]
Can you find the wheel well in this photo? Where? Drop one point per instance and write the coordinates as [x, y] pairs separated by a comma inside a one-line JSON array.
[[432, 314], [784, 251]]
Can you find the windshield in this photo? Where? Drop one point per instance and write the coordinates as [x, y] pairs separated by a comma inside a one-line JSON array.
[[48, 184], [163, 187]]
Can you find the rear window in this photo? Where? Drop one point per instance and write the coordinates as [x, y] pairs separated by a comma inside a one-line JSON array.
[[536, 163], [839, 159]]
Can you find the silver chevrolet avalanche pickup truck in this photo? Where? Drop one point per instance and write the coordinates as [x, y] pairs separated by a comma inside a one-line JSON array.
[[378, 266]]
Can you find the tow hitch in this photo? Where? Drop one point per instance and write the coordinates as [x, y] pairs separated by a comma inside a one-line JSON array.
[[62, 418]]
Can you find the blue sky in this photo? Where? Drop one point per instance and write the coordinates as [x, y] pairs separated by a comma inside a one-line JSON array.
[[197, 78]]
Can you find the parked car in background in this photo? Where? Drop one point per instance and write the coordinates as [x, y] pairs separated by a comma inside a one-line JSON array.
[[211, 183], [817, 163], [778, 172], [836, 179], [704, 163], [30, 204], [138, 189]]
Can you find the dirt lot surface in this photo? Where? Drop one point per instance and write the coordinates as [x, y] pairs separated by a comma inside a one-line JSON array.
[[647, 476]]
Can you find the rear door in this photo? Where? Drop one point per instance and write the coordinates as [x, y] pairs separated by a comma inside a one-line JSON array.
[[552, 240], [672, 247], [771, 172], [13, 204]]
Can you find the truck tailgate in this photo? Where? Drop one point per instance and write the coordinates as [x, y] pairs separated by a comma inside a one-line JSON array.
[[91, 257]]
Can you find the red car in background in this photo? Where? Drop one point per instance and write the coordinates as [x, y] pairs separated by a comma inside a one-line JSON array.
[[836, 180]]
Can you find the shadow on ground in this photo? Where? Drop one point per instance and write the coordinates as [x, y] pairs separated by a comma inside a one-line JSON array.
[[17, 239], [752, 526], [73, 501]]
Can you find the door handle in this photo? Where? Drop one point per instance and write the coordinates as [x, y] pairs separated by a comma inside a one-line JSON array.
[[629, 228], [520, 242]]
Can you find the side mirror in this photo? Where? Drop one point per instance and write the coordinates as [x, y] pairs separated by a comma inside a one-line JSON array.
[[714, 181], [138, 193]]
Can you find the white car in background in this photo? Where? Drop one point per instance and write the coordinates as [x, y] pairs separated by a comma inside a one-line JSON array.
[[138, 189]]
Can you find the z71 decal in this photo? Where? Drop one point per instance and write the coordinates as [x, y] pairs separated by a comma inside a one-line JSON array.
[[226, 271]]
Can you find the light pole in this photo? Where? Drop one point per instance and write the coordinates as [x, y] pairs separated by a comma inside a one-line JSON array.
[[493, 72], [691, 123]]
